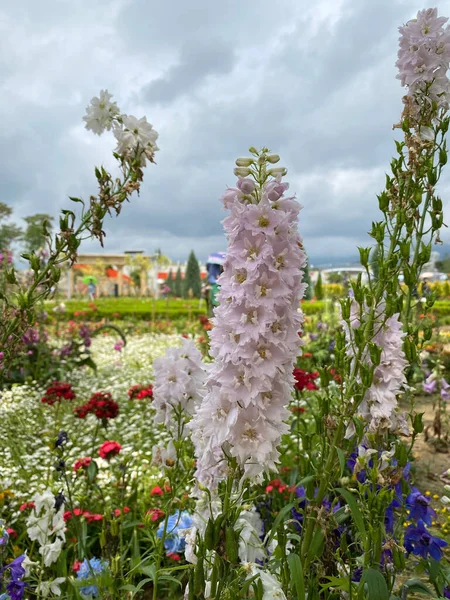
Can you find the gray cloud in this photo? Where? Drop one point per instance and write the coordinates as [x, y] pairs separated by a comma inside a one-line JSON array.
[[314, 83]]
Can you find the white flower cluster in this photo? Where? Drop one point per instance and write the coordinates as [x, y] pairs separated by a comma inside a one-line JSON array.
[[136, 138], [46, 526], [379, 405], [255, 338], [178, 386], [424, 56]]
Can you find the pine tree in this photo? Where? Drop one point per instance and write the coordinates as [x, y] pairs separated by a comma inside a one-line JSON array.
[[307, 280], [318, 289], [170, 281], [178, 285], [192, 279]]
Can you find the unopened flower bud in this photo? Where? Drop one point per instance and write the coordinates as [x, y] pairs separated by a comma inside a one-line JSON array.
[[241, 171], [253, 150], [447, 488], [246, 185], [272, 158], [445, 500], [244, 162], [277, 171]]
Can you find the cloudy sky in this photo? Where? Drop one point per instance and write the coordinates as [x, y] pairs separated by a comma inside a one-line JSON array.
[[313, 81]]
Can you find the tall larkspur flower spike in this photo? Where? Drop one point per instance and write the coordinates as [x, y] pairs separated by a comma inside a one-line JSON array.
[[255, 338]]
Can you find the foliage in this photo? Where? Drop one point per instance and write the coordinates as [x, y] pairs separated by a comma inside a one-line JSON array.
[[318, 288], [192, 284], [178, 285], [33, 237], [307, 280], [9, 232]]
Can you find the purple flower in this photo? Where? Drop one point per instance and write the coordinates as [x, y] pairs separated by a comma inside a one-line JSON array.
[[429, 387], [313, 336], [118, 346], [15, 586], [420, 542], [419, 507]]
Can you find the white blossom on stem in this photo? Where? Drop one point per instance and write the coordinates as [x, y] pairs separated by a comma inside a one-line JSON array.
[[379, 406], [46, 526], [424, 57], [178, 386], [100, 113]]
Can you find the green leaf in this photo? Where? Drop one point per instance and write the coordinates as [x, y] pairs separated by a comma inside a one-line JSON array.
[[341, 457], [376, 585], [356, 513], [92, 471], [316, 546], [417, 587], [295, 567], [283, 512]]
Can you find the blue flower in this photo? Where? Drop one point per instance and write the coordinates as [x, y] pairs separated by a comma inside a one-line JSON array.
[[421, 543], [419, 507], [4, 597], [173, 542], [89, 570]]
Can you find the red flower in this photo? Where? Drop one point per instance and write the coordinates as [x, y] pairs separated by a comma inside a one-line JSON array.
[[117, 512], [139, 392], [298, 409], [156, 491], [109, 449], [76, 566], [307, 355], [155, 514], [11, 532], [126, 509], [174, 556], [58, 391], [27, 505], [82, 463], [101, 405], [67, 515], [305, 380]]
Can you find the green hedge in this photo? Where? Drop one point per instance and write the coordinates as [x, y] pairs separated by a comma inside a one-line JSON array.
[[127, 308]]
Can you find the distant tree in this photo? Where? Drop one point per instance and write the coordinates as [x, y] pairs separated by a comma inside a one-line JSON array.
[[170, 281], [9, 232], [34, 237], [443, 265], [192, 279], [318, 289], [307, 280], [335, 278], [178, 285]]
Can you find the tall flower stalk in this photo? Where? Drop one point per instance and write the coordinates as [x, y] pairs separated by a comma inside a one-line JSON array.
[[254, 343]]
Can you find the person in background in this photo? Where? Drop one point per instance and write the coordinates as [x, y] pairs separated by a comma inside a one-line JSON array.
[[426, 289], [91, 291]]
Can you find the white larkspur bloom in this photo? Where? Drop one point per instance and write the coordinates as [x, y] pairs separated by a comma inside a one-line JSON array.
[[272, 589], [135, 135], [255, 338], [424, 56], [250, 528], [100, 113], [46, 526], [45, 587], [379, 406], [178, 386]]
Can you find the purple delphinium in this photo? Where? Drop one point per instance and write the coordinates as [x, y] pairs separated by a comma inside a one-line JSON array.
[[419, 507], [86, 335], [420, 542], [429, 387], [15, 586], [445, 390], [313, 336]]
